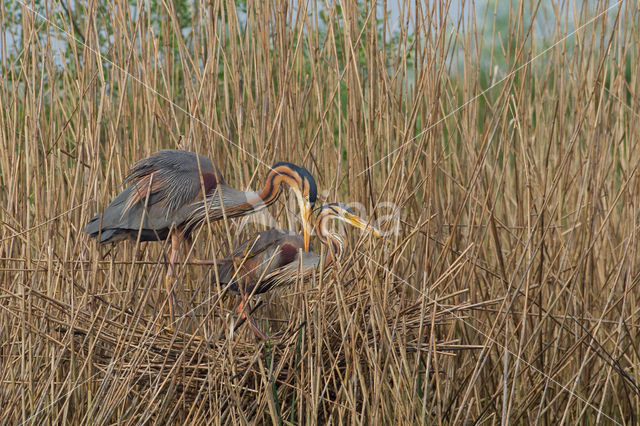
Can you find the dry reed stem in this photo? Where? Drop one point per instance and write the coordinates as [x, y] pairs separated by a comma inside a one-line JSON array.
[[504, 138]]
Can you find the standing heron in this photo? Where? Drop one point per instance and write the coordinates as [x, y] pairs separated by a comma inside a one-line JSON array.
[[171, 192], [273, 258]]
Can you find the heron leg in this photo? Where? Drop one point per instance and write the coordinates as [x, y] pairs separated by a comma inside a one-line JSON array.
[[244, 310], [176, 239]]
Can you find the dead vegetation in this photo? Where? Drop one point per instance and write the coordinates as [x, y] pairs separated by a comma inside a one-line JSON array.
[[498, 146]]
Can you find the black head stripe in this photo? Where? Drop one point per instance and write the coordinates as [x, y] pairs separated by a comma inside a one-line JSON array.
[[336, 208], [313, 189], [305, 176]]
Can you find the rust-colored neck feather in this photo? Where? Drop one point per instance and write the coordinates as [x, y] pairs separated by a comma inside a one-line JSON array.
[[333, 241], [271, 191], [277, 176]]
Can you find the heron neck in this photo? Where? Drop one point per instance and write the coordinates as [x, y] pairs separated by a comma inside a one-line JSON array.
[[328, 238], [271, 190]]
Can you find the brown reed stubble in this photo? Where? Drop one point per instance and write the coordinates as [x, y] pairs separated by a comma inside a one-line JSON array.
[[525, 198]]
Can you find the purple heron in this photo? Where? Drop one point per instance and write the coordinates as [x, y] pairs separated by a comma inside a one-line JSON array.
[[274, 258]]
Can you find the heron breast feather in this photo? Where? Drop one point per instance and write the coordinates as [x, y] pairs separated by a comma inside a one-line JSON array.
[[210, 182], [288, 254]]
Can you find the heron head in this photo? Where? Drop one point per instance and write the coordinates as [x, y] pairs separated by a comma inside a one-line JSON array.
[[304, 186], [341, 212]]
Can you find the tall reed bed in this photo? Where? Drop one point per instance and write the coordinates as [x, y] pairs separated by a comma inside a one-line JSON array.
[[495, 141]]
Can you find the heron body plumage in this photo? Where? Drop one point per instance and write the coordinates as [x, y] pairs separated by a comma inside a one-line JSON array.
[[258, 257]]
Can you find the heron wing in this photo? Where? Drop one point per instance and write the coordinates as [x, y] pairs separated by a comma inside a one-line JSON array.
[[302, 267], [153, 224], [176, 177], [167, 183]]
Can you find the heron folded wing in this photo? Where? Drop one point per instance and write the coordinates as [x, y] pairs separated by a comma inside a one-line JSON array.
[[145, 186], [290, 273]]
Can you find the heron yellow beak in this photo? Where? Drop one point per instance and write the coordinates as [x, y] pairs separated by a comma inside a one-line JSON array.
[[306, 224], [359, 223]]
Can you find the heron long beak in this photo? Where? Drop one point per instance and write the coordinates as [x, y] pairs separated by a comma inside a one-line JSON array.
[[361, 224], [306, 225]]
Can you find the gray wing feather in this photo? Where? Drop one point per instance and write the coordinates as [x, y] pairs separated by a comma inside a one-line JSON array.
[[288, 274], [169, 205], [179, 173], [112, 222], [213, 208]]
